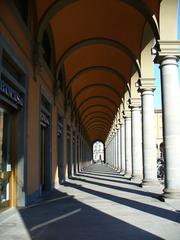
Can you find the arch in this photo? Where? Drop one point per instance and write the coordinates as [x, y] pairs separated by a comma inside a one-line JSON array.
[[99, 105], [99, 129], [91, 120], [98, 118], [96, 112], [98, 140], [96, 122], [96, 85], [96, 125], [102, 68], [99, 121], [48, 47], [102, 130], [141, 7], [93, 97], [92, 41]]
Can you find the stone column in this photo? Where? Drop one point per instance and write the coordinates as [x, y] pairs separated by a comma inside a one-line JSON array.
[[119, 149], [128, 153], [136, 128], [171, 123], [122, 142], [113, 150], [110, 152], [147, 87], [115, 153]]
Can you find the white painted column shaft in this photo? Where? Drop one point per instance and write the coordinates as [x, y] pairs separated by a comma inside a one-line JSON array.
[[122, 136], [119, 150], [137, 167], [148, 133], [171, 122], [128, 154]]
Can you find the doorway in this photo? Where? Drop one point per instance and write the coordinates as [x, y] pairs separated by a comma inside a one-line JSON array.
[[6, 152], [98, 151], [45, 176], [60, 135], [69, 160]]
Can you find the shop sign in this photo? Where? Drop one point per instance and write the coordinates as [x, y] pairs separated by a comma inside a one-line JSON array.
[[10, 93], [44, 119]]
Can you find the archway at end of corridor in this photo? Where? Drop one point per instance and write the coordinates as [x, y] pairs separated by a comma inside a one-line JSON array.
[[98, 152]]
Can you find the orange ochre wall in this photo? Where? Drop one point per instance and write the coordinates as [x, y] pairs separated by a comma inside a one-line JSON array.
[[12, 32]]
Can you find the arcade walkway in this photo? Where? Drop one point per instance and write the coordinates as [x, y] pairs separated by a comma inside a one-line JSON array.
[[95, 204]]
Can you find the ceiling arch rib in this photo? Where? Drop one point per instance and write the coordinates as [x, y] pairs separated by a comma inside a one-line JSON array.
[[96, 125], [96, 106], [97, 118], [96, 122], [97, 85], [90, 37], [98, 55], [58, 6], [99, 128], [93, 68], [99, 131], [109, 100], [96, 113], [107, 121], [96, 132], [104, 41]]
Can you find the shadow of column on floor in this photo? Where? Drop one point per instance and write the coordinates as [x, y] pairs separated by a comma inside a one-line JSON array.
[[164, 213], [124, 189], [87, 175], [69, 219]]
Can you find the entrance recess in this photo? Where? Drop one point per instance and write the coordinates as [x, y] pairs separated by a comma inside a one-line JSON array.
[[98, 152], [5, 159]]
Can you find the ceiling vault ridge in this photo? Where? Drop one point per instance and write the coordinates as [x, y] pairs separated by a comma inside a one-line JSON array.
[[96, 85]]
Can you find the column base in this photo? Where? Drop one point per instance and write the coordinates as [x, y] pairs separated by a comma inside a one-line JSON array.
[[150, 183], [170, 194], [128, 175], [122, 173], [137, 178]]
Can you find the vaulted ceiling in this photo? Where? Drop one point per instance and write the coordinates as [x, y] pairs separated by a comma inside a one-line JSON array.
[[97, 42]]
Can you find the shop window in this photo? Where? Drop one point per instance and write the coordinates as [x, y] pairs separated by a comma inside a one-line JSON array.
[[45, 103], [60, 134], [5, 164], [69, 160], [13, 78], [45, 160]]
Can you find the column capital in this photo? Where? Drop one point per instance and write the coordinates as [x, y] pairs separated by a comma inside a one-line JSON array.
[[117, 126], [166, 49], [146, 84], [135, 103], [121, 121], [127, 114]]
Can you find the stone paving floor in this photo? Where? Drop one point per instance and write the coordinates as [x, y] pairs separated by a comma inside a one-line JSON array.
[[96, 204]]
